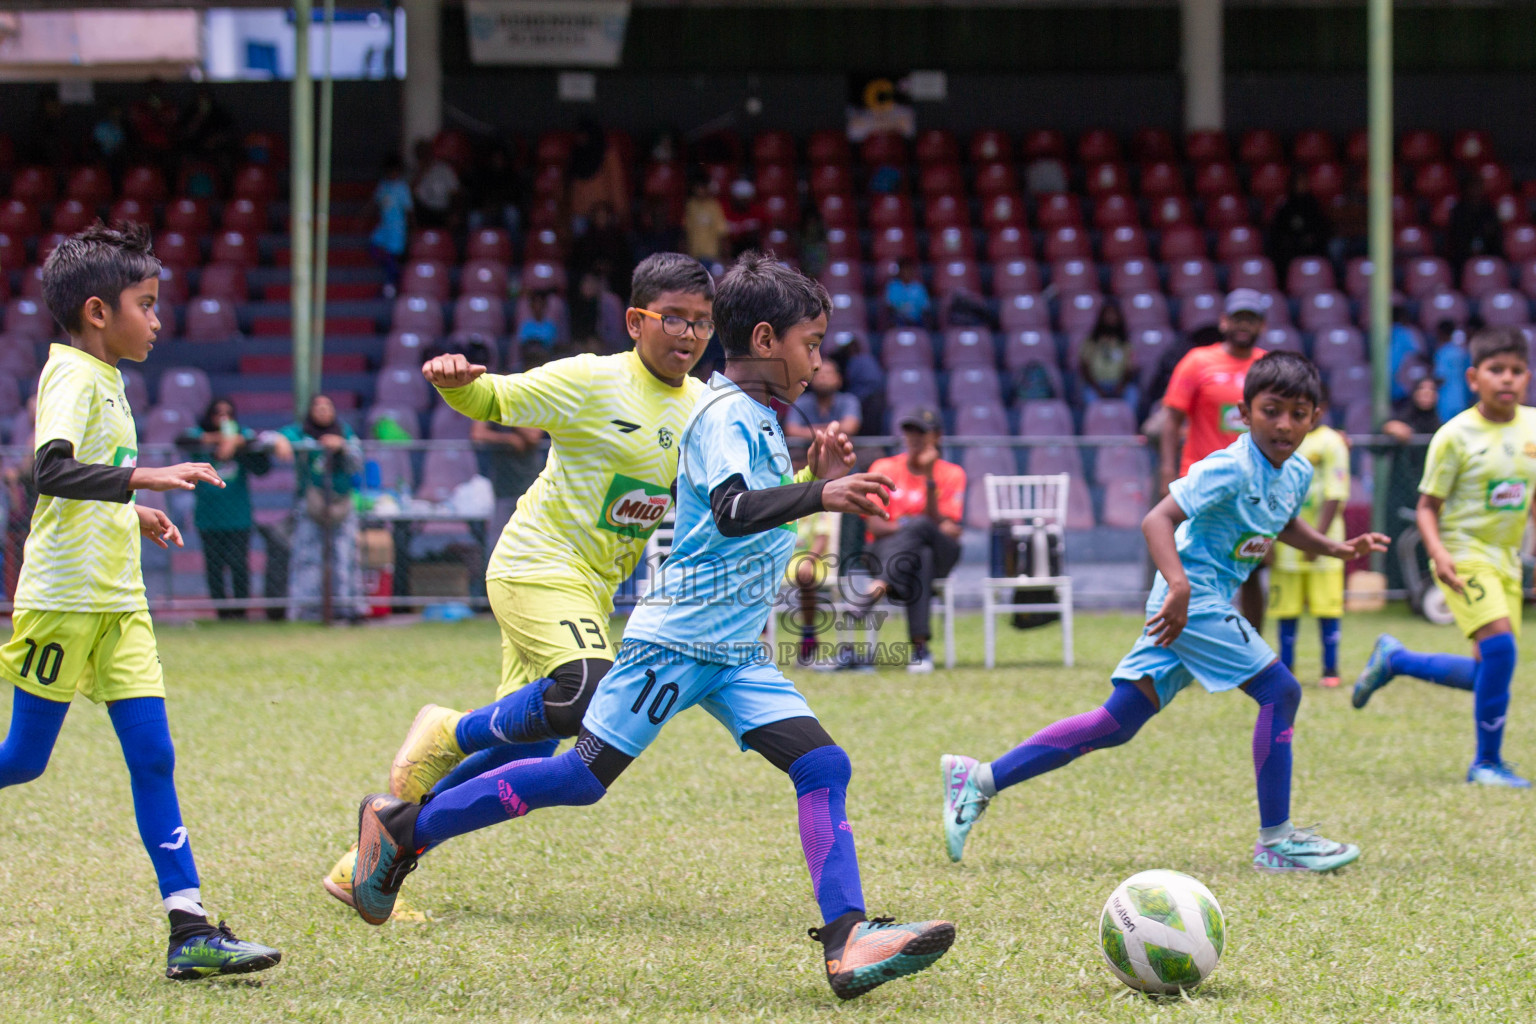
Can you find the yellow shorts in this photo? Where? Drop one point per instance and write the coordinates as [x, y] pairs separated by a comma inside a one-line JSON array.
[[1490, 596], [1320, 591], [544, 625], [105, 656]]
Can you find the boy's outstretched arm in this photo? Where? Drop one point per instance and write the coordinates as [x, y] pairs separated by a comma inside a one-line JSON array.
[[1158, 527], [57, 473], [1427, 517], [1303, 536]]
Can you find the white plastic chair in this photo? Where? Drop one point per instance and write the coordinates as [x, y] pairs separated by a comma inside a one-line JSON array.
[[1033, 508]]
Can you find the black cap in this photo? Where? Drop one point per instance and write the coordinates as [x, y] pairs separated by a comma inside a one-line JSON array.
[[922, 419]]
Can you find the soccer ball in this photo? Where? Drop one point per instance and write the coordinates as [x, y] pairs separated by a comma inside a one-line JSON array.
[[1162, 931]]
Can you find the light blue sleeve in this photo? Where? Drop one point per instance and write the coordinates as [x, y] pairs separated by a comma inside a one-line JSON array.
[[1305, 472], [1213, 481], [723, 444]]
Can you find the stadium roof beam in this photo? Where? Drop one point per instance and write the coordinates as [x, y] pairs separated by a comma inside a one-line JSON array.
[[1201, 28]]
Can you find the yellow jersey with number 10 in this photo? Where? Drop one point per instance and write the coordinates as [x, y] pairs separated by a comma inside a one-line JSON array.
[[1485, 472], [615, 429], [83, 556]]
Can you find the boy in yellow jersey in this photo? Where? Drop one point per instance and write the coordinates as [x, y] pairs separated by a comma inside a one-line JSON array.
[[81, 621], [1300, 582], [1474, 502], [615, 425]]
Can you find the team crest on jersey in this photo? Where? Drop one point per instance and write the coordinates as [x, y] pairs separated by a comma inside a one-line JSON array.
[[664, 438], [1252, 547], [1507, 495], [1232, 419], [633, 508]]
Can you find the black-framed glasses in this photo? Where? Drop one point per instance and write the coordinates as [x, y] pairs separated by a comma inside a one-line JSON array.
[[677, 326]]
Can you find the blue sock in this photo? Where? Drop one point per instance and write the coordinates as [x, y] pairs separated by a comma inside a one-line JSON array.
[[516, 718], [509, 792], [821, 784], [145, 736], [1125, 712], [1279, 695], [1328, 633], [1491, 694], [1288, 643], [35, 725], [482, 761], [1453, 670]]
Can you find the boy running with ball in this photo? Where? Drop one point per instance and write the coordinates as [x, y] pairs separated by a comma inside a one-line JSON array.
[[1474, 502], [1205, 537]]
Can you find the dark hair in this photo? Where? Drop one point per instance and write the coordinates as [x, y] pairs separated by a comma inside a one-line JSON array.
[[206, 423], [1285, 374], [100, 262], [663, 272], [759, 289], [1497, 341]]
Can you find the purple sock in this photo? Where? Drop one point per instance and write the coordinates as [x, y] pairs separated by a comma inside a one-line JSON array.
[[1116, 721], [821, 783], [1453, 670], [482, 761], [508, 792], [516, 718], [1279, 695]]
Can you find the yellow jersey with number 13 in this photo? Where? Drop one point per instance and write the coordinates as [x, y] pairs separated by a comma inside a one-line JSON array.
[[83, 556], [1485, 472], [615, 429]]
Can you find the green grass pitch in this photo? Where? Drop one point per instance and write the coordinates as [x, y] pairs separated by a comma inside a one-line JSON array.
[[683, 896]]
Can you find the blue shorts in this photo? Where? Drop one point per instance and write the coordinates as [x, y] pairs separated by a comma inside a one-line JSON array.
[[649, 685], [1218, 647]]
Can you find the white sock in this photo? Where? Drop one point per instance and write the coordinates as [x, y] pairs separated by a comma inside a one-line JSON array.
[[188, 901], [983, 777]]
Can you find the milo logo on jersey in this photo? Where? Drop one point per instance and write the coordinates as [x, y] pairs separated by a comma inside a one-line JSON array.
[[1232, 419], [125, 457], [633, 508], [1252, 547], [1507, 495]]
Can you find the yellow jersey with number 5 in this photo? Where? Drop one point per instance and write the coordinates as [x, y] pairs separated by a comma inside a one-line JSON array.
[[83, 556], [615, 429], [1485, 473]]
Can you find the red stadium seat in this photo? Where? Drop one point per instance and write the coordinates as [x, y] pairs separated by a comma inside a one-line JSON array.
[[1045, 144], [1496, 177], [843, 244], [990, 146], [937, 146], [1434, 180], [837, 210], [1206, 146], [1009, 210], [554, 148], [1074, 275], [1124, 243], [1309, 274], [188, 215], [173, 286], [92, 185], [1504, 308], [225, 281], [176, 249], [1105, 177], [775, 180], [432, 244], [1255, 272], [1025, 311], [968, 347], [1180, 242], [781, 211], [1313, 146], [890, 210], [489, 244], [1067, 243], [1144, 310], [453, 147], [1472, 147], [20, 219], [843, 276], [129, 210], [1226, 210], [34, 185], [12, 254], [418, 313], [1357, 277], [1058, 210], [946, 211], [777, 147], [1238, 241], [265, 148], [29, 318], [1260, 146], [1481, 275], [1160, 179], [427, 279], [1519, 245], [1425, 274], [1200, 309], [235, 247], [907, 347], [827, 179], [1440, 306], [549, 182], [1097, 146], [544, 244], [1015, 277], [995, 179], [894, 243], [1357, 150], [1419, 147], [72, 216], [1324, 309], [1216, 178], [480, 314], [1270, 182], [255, 181], [210, 319], [245, 215], [543, 276], [1115, 210], [1078, 312], [484, 276], [1412, 240], [828, 146], [951, 243], [1170, 211], [884, 149], [1150, 145], [1133, 275], [1326, 181]]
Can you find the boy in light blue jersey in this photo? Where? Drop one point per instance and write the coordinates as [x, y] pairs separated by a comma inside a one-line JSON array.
[[1206, 537], [695, 639]]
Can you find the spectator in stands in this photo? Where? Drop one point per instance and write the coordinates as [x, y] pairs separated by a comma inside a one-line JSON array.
[[1205, 392], [906, 297], [1418, 414], [327, 460], [654, 230], [1403, 345], [824, 402], [1474, 228], [604, 248], [1106, 362], [705, 223], [920, 543], [745, 216], [1299, 227], [436, 189], [813, 245], [206, 130], [540, 326], [223, 514], [598, 176], [109, 136], [864, 379], [597, 315], [152, 124], [1451, 362], [498, 188], [391, 204]]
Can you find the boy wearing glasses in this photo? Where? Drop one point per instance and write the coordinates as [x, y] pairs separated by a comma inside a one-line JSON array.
[[615, 425]]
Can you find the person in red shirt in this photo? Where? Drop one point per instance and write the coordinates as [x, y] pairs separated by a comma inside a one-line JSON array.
[[920, 542], [1204, 392]]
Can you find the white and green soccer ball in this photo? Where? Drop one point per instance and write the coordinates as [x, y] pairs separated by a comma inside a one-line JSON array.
[[1162, 931]]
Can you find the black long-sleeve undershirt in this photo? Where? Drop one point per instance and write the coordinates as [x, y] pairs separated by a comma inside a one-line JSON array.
[[55, 472], [739, 510]]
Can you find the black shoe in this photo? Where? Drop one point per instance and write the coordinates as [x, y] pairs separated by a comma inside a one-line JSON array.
[[201, 951]]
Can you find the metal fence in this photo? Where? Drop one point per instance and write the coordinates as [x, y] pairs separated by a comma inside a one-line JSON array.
[[416, 527]]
